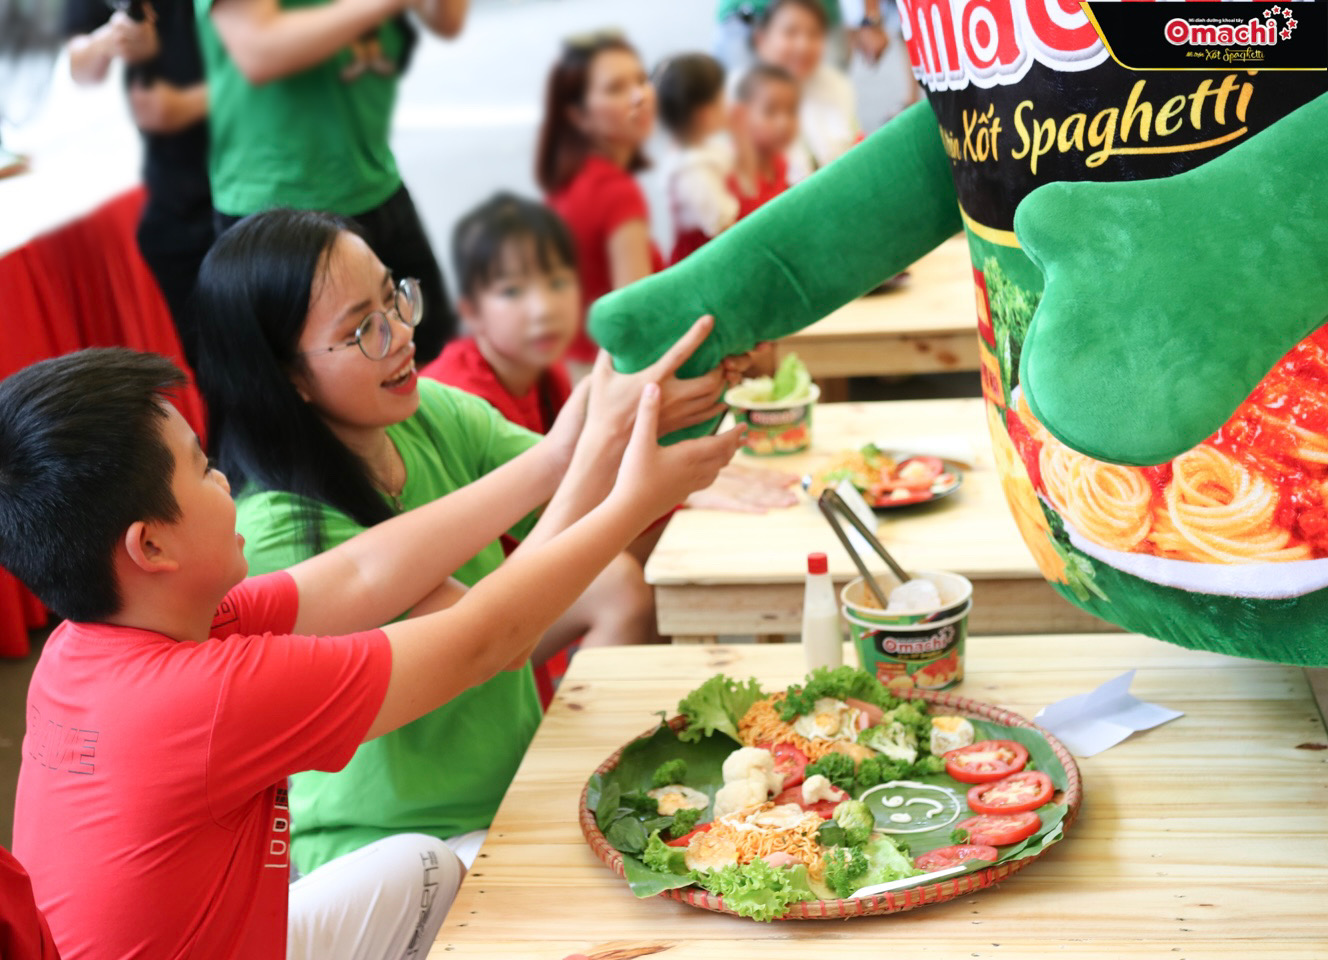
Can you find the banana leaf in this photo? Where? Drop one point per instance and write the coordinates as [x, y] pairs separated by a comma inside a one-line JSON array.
[[705, 759]]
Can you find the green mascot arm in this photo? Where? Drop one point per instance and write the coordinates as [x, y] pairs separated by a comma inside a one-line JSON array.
[[1167, 301], [862, 219]]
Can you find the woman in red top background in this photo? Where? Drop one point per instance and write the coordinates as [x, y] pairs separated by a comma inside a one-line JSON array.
[[599, 112]]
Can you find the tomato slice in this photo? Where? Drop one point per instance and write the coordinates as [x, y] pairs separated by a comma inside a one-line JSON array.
[[953, 856], [686, 838], [1026, 790], [825, 809], [986, 760], [1000, 829], [790, 763]]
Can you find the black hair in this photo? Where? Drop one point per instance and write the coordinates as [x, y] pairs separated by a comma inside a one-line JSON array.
[[82, 457], [251, 304], [685, 84], [757, 74], [482, 237], [813, 7]]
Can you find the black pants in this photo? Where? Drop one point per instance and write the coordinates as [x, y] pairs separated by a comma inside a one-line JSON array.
[[394, 232], [173, 244]]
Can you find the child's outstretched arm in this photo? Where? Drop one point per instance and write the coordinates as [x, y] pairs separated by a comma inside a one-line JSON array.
[[387, 569], [862, 219], [499, 621], [404, 563]]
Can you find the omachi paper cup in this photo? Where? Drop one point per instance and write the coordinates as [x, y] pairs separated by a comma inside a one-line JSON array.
[[775, 429], [929, 656]]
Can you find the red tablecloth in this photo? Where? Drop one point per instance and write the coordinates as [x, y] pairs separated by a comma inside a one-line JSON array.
[[83, 285]]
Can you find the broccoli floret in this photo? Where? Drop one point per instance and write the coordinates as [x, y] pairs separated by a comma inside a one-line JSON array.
[[927, 765], [669, 772], [684, 822], [659, 856], [877, 770], [843, 868], [856, 820], [838, 768], [640, 803], [894, 739], [913, 715]]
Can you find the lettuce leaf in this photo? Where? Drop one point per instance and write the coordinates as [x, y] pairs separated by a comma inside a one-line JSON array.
[[717, 704], [885, 863], [839, 683], [757, 890]]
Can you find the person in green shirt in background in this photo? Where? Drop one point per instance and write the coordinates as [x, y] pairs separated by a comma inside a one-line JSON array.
[[317, 417], [301, 97]]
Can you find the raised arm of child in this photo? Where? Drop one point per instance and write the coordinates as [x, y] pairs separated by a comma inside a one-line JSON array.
[[405, 562], [436, 657]]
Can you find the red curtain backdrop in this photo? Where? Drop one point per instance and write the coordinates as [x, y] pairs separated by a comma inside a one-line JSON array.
[[83, 285]]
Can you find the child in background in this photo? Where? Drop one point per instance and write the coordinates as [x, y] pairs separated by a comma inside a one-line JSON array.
[[765, 127], [520, 308], [690, 90]]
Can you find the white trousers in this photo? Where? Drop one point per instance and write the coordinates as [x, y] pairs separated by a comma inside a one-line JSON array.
[[384, 901]]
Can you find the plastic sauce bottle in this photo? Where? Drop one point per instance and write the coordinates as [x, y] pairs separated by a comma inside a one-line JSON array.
[[822, 639]]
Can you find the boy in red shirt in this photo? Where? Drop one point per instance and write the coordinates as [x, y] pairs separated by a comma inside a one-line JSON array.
[[167, 711]]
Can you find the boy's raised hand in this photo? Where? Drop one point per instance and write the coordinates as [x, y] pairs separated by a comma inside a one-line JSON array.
[[655, 478]]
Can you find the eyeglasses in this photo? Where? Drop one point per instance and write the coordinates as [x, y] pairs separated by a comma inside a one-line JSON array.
[[374, 334]]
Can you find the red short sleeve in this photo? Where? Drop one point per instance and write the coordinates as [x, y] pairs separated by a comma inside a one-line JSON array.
[[266, 604], [291, 703], [621, 201]]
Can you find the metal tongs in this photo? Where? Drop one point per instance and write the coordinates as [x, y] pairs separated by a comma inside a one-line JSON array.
[[832, 505]]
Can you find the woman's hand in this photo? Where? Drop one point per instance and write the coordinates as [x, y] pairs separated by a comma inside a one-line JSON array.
[[654, 479], [683, 402]]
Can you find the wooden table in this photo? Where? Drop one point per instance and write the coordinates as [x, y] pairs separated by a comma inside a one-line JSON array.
[[717, 573], [925, 324], [1203, 839]]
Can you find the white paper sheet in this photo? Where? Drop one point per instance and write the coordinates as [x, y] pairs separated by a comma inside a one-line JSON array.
[[1089, 723]]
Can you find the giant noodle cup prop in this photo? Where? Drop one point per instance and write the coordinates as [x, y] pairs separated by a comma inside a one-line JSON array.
[[1148, 253]]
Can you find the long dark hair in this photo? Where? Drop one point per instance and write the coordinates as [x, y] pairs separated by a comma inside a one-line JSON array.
[[251, 302], [563, 148]]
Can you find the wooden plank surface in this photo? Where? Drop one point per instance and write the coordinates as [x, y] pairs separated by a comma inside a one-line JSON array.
[[927, 323], [732, 573], [1205, 839]]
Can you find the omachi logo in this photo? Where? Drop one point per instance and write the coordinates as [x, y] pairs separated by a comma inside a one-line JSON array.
[[987, 42], [1182, 33]]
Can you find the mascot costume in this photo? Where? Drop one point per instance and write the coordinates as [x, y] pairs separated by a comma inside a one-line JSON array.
[[1150, 264]]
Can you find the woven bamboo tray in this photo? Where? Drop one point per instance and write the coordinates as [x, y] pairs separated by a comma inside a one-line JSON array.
[[895, 901]]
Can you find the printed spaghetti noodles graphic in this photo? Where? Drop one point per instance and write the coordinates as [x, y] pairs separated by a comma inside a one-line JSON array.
[[1254, 492]]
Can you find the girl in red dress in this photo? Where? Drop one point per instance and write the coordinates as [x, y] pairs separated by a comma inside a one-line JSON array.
[[599, 112]]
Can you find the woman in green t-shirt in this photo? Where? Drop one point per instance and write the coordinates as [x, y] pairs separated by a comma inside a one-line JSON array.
[[317, 418]]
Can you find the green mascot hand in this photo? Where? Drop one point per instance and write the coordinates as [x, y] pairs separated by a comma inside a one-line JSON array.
[[1167, 301], [862, 219]]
